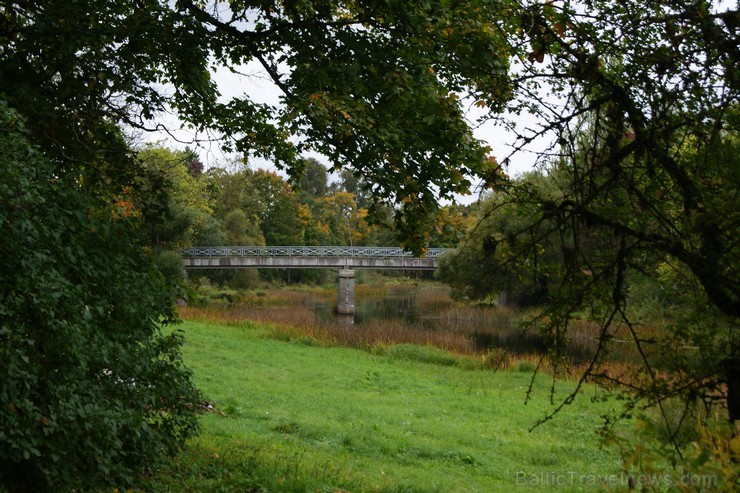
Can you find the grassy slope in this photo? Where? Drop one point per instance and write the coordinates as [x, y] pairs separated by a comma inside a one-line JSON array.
[[305, 418]]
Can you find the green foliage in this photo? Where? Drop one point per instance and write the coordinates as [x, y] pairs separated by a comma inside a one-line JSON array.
[[207, 230], [92, 391], [314, 179], [507, 252], [373, 87], [240, 231], [245, 279], [387, 106], [170, 265], [173, 205]]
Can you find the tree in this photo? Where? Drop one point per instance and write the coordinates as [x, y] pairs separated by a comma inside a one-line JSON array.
[[314, 179], [92, 388], [172, 202], [507, 255], [174, 206], [241, 231], [93, 391], [286, 221], [371, 86], [451, 222], [344, 223], [642, 110], [312, 190], [349, 182]]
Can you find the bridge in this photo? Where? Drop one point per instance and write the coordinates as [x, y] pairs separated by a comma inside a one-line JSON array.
[[344, 258], [308, 257]]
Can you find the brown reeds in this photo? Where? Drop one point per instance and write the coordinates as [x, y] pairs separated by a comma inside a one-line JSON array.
[[462, 329]]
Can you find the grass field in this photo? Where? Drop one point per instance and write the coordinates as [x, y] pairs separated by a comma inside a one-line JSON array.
[[296, 416]]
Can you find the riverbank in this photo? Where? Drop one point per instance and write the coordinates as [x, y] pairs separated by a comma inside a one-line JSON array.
[[293, 415]]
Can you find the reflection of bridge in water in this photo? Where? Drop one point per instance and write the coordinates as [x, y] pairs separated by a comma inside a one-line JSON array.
[[343, 258]]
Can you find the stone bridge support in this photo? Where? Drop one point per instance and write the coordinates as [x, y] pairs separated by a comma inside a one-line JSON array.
[[346, 292]]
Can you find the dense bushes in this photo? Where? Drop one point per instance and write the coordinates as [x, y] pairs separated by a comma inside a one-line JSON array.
[[91, 389]]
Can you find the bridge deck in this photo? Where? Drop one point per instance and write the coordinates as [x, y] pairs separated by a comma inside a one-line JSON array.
[[308, 257]]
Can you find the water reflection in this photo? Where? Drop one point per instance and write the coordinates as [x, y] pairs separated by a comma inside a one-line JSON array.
[[345, 320], [392, 303]]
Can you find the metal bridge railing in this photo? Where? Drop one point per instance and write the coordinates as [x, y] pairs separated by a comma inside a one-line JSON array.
[[305, 251]]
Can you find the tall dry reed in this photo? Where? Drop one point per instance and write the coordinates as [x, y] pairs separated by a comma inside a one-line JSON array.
[[456, 327]]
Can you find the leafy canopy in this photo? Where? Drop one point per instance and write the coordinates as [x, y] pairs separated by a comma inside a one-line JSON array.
[[372, 85]]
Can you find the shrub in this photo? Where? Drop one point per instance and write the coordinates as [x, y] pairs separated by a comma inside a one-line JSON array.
[[497, 359], [92, 391], [170, 265], [525, 366], [309, 341], [245, 279], [423, 354]]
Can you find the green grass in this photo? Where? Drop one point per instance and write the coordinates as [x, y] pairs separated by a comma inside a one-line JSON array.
[[295, 417]]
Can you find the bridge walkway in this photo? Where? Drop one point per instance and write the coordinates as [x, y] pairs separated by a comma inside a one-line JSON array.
[[308, 257]]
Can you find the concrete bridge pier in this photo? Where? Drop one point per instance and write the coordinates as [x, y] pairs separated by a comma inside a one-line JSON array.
[[346, 297]]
